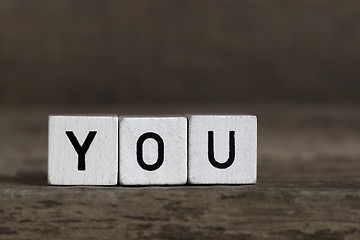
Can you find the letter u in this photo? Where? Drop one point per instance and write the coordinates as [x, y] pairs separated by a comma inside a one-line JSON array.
[[211, 156]]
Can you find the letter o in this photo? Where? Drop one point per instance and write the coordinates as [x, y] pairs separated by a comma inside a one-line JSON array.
[[139, 151]]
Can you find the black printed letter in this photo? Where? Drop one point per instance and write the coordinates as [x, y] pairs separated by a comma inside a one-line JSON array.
[[231, 151], [139, 151], [81, 150]]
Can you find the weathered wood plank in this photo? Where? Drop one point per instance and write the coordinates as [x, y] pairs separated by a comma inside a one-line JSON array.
[[226, 212]]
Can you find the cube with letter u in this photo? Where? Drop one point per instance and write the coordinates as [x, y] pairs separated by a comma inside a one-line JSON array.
[[222, 149]]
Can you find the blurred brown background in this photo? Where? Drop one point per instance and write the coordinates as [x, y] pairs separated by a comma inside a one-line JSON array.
[[178, 51], [295, 64]]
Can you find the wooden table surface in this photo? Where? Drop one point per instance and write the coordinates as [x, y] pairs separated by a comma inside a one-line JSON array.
[[308, 182]]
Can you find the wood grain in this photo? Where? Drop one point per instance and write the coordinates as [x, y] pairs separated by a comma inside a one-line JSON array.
[[308, 182], [300, 211]]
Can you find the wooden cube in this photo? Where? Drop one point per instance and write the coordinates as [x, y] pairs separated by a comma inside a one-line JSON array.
[[83, 150], [153, 150], [222, 149]]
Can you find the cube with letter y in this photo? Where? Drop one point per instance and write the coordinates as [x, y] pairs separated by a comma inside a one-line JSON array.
[[222, 149], [83, 150]]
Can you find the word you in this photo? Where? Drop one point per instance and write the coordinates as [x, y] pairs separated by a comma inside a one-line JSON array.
[[152, 150]]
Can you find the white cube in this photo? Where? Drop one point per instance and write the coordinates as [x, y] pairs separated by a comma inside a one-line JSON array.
[[222, 149], [153, 150], [83, 150]]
